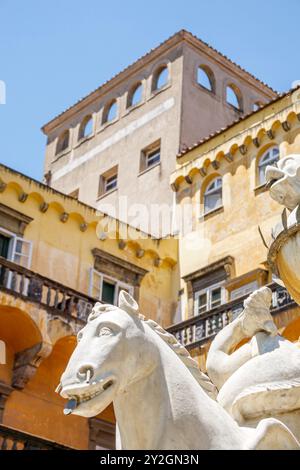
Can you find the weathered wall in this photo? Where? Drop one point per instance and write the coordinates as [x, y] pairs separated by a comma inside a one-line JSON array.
[[205, 112], [121, 142], [233, 228], [61, 251], [179, 114]]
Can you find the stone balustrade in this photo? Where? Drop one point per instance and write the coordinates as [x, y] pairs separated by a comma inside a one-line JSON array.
[[53, 296], [201, 328], [11, 439]]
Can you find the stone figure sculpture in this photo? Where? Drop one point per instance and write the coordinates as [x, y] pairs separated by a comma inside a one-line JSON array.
[[284, 253], [251, 399], [161, 399], [262, 377]]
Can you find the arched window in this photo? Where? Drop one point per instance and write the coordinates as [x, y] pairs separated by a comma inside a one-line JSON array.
[[63, 141], [205, 78], [161, 78], [213, 195], [233, 97], [269, 157], [86, 127], [135, 96], [110, 112]]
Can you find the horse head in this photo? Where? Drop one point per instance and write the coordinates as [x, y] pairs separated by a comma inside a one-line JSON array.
[[107, 358]]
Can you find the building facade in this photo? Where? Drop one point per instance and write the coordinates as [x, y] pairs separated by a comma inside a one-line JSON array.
[[116, 148], [223, 254], [55, 264], [60, 252]]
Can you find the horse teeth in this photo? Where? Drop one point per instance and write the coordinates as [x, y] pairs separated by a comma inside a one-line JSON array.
[[92, 394]]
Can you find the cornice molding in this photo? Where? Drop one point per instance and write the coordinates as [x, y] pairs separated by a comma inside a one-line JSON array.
[[227, 263]]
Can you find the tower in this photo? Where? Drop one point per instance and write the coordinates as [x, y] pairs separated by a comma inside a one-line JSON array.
[[118, 145]]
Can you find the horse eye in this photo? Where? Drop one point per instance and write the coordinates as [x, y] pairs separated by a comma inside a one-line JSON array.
[[105, 331]]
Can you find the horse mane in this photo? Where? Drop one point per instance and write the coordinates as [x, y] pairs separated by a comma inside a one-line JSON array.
[[183, 354]]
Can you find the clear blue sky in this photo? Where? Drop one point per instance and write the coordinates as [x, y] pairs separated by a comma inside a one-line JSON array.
[[54, 52]]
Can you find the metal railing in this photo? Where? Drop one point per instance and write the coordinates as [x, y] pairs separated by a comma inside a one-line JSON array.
[[53, 296], [11, 439], [201, 328]]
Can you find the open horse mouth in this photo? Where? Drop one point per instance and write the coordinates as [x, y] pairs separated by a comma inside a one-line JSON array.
[[78, 395]]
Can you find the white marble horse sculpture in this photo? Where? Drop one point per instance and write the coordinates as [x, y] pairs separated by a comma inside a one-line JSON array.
[[161, 399]]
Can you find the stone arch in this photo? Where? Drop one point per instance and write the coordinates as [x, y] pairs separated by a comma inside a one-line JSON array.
[[17, 327], [131, 96], [231, 87], [211, 81], [58, 328], [83, 128], [25, 342], [160, 69], [40, 410], [110, 111], [63, 141]]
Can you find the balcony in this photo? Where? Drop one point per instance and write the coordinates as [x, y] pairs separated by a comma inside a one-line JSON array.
[[11, 439], [201, 328], [50, 295]]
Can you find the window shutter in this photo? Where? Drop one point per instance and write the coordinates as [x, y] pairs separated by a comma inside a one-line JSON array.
[[95, 284], [122, 286], [196, 305], [21, 252]]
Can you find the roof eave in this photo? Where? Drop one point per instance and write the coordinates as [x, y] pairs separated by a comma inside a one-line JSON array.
[[174, 40]]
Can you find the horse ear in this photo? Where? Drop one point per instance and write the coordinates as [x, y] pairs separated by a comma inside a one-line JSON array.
[[127, 303]]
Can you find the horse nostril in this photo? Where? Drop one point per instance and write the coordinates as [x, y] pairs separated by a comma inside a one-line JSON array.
[[85, 373]]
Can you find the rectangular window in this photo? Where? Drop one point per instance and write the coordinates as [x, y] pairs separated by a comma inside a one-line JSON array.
[[208, 298], [202, 303], [111, 183], [108, 181], [4, 245], [215, 297], [150, 156], [17, 250], [108, 291], [106, 288], [21, 252]]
